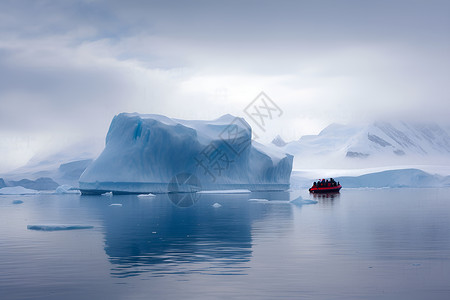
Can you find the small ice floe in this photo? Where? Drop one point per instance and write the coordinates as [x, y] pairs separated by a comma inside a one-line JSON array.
[[300, 201], [266, 201], [277, 202], [241, 191], [108, 194], [17, 190], [216, 205], [258, 200], [66, 189], [116, 204], [146, 195], [17, 202], [58, 227]]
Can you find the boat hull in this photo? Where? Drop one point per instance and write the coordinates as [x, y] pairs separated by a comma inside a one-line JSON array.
[[331, 189]]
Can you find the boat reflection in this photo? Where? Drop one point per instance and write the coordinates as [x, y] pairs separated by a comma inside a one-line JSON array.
[[326, 198], [329, 196]]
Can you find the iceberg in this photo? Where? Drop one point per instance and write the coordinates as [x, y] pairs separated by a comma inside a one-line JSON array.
[[146, 195], [156, 154], [66, 189]]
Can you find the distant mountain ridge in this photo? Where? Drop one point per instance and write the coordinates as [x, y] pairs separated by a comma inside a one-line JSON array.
[[360, 144], [395, 179], [402, 178]]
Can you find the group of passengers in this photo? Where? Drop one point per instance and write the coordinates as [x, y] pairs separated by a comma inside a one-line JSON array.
[[325, 183]]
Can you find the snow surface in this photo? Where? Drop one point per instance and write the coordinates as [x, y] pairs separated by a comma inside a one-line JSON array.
[[143, 153], [58, 227], [17, 190]]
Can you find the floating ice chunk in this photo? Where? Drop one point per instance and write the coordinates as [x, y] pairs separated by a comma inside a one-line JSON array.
[[17, 202], [216, 205], [309, 201], [258, 200], [66, 189], [277, 202], [58, 227], [116, 204], [17, 190], [237, 191], [146, 195], [300, 201], [109, 194]]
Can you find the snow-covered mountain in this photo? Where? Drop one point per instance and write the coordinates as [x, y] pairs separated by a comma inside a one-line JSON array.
[[64, 166], [278, 141], [369, 145]]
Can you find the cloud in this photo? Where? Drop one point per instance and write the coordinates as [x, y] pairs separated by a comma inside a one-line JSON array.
[[66, 67]]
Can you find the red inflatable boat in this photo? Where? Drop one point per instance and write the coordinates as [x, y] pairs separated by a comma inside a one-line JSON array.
[[325, 189]]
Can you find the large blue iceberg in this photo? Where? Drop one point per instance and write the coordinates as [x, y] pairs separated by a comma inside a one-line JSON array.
[[157, 154]]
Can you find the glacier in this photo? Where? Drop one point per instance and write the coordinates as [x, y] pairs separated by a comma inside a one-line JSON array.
[[149, 153]]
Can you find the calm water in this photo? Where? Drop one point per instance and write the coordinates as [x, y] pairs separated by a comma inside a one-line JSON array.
[[361, 244]]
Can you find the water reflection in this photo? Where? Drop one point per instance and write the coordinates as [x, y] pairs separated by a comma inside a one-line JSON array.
[[326, 198], [155, 237]]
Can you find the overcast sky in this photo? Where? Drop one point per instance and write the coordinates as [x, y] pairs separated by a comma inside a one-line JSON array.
[[67, 67]]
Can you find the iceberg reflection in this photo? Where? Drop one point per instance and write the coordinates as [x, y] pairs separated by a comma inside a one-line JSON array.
[[152, 235]]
